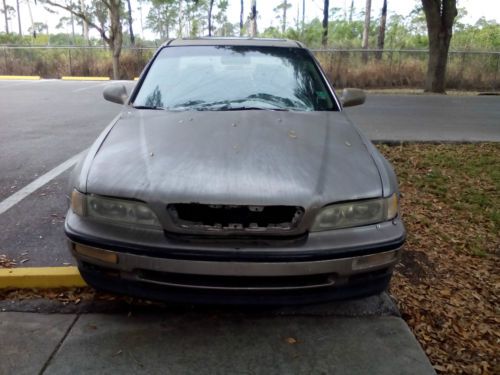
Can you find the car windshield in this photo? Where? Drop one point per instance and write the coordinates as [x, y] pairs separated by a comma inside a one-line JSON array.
[[225, 78]]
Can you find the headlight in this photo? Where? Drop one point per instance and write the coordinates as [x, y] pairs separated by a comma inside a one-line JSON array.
[[356, 213], [113, 210]]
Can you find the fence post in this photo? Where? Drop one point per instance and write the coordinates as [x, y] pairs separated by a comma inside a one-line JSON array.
[[399, 68], [462, 69], [70, 62], [496, 85], [5, 59], [390, 63]]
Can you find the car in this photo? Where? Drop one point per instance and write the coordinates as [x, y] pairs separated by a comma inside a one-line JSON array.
[[233, 175]]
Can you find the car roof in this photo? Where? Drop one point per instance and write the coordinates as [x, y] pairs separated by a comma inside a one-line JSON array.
[[255, 42]]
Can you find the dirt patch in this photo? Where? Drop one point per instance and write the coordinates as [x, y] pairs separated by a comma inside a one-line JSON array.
[[414, 266]]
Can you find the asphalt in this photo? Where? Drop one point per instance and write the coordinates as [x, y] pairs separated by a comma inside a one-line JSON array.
[[358, 337], [44, 123], [429, 118]]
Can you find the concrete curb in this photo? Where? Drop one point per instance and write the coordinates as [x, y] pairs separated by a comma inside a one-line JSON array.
[[25, 78], [75, 78], [40, 277]]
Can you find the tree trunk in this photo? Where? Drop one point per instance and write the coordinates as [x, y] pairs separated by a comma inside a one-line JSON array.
[[440, 15], [210, 8], [381, 31], [253, 19], [436, 68], [141, 17], [19, 18], [6, 17], [241, 18], [324, 38], [115, 39], [351, 11], [168, 31], [303, 15], [181, 26], [33, 32], [85, 25], [130, 28], [72, 28], [283, 26], [366, 29]]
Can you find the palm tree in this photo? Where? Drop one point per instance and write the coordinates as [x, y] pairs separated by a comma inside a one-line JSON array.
[[381, 31], [6, 16], [241, 18], [324, 39], [366, 28], [253, 19]]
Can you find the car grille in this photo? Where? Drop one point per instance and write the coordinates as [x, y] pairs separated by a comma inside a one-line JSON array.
[[219, 218], [237, 282]]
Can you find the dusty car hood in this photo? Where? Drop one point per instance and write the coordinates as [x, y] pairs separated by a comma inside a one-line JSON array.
[[236, 157]]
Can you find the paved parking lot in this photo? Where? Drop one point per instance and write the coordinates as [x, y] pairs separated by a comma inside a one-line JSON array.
[[46, 123], [43, 124]]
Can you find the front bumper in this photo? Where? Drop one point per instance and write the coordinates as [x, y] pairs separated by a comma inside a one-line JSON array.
[[320, 267]]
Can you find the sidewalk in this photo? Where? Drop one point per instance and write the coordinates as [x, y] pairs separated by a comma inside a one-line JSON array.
[[358, 337]]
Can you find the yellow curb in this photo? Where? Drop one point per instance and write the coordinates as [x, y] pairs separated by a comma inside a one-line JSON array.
[[40, 277], [74, 78], [28, 78], [136, 78]]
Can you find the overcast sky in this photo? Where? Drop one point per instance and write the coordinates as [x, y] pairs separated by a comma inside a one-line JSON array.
[[314, 8]]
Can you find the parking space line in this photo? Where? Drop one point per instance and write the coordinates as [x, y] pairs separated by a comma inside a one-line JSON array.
[[90, 87], [19, 195]]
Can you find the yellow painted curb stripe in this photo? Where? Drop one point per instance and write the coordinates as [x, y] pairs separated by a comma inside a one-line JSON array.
[[74, 78], [29, 78], [40, 277]]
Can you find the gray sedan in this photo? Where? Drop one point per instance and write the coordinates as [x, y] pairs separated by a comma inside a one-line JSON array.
[[233, 175]]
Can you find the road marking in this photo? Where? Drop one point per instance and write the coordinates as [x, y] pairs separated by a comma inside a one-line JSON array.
[[125, 82], [90, 87], [38, 183]]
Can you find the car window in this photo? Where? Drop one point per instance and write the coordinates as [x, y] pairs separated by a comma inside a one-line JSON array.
[[233, 78]]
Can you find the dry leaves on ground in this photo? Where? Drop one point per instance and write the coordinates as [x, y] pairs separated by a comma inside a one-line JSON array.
[[447, 285], [63, 295], [6, 262]]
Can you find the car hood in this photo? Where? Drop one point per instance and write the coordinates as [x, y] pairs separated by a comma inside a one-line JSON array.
[[254, 157]]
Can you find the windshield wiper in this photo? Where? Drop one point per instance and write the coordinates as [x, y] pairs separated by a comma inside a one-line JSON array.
[[243, 108], [148, 107]]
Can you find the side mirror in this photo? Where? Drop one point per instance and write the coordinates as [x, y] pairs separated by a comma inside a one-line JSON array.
[[116, 93], [352, 97]]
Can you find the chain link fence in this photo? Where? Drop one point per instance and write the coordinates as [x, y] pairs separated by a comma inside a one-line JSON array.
[[466, 70], [345, 67], [55, 61]]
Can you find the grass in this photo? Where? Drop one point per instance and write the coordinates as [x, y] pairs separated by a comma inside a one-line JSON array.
[[447, 285]]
